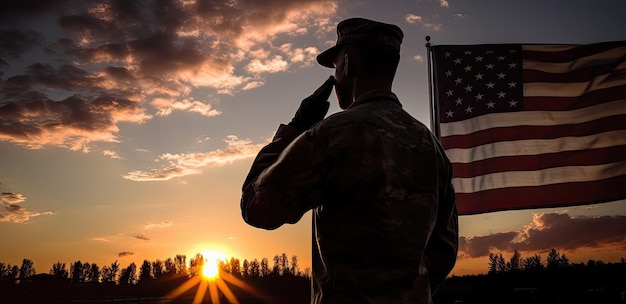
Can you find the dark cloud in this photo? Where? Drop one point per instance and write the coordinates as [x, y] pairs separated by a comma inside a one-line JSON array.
[[125, 253], [20, 9], [141, 237], [15, 42], [109, 59], [551, 230]]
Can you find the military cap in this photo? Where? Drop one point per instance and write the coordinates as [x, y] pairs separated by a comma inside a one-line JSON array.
[[360, 30]]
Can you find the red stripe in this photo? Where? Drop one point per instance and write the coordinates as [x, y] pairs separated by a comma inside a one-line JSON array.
[[533, 132], [548, 196], [539, 162], [549, 103]]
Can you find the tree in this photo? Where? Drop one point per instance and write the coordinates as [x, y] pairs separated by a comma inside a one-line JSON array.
[[109, 273], [294, 265], [59, 269], [284, 264], [8, 273], [76, 270], [515, 263], [496, 263], [93, 275], [157, 269], [245, 268], [533, 263], [554, 260], [493, 263], [170, 267], [128, 275], [276, 268], [84, 272], [195, 264], [145, 272], [265, 267], [255, 268], [181, 264], [235, 267], [27, 270], [501, 265]]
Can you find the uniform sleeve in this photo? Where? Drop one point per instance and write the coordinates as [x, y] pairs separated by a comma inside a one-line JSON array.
[[284, 180], [443, 244]]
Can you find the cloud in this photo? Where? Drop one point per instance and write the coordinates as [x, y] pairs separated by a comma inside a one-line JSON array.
[[166, 106], [163, 224], [418, 58], [410, 18], [100, 239], [444, 3], [11, 212], [141, 237], [111, 154], [71, 78], [273, 65], [125, 253], [426, 24], [552, 230], [183, 164]]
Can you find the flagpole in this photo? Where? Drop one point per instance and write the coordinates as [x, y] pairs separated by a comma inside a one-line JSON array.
[[434, 125]]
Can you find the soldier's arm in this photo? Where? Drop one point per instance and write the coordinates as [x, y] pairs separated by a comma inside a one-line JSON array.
[[284, 179]]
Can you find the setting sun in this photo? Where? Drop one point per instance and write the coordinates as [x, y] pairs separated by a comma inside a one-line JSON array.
[[212, 258], [210, 269]]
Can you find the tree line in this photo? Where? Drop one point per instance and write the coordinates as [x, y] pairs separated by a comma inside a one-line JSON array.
[[555, 261], [85, 272], [532, 279]]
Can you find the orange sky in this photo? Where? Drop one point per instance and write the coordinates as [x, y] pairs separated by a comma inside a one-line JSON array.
[[127, 128]]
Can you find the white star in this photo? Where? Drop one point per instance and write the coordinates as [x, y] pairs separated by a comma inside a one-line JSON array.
[[490, 85], [458, 80], [447, 54], [468, 52], [468, 68], [450, 93], [459, 101], [489, 66], [479, 96], [489, 52], [500, 58], [448, 73], [457, 61], [479, 76], [501, 75], [478, 58], [512, 51], [490, 104], [468, 88], [512, 65], [512, 84], [501, 94], [449, 114], [468, 109], [512, 103]]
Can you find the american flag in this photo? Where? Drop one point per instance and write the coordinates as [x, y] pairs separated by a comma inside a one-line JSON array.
[[532, 126]]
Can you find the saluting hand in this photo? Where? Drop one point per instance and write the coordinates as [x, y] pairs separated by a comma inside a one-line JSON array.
[[313, 108]]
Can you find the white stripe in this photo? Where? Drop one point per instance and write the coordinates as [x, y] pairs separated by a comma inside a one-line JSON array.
[[607, 57], [533, 118], [570, 89], [540, 177], [537, 146]]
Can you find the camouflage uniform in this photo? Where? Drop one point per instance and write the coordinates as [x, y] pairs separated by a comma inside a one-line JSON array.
[[384, 214]]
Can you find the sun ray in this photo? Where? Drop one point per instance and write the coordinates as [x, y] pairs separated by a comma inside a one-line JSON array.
[[199, 297]]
